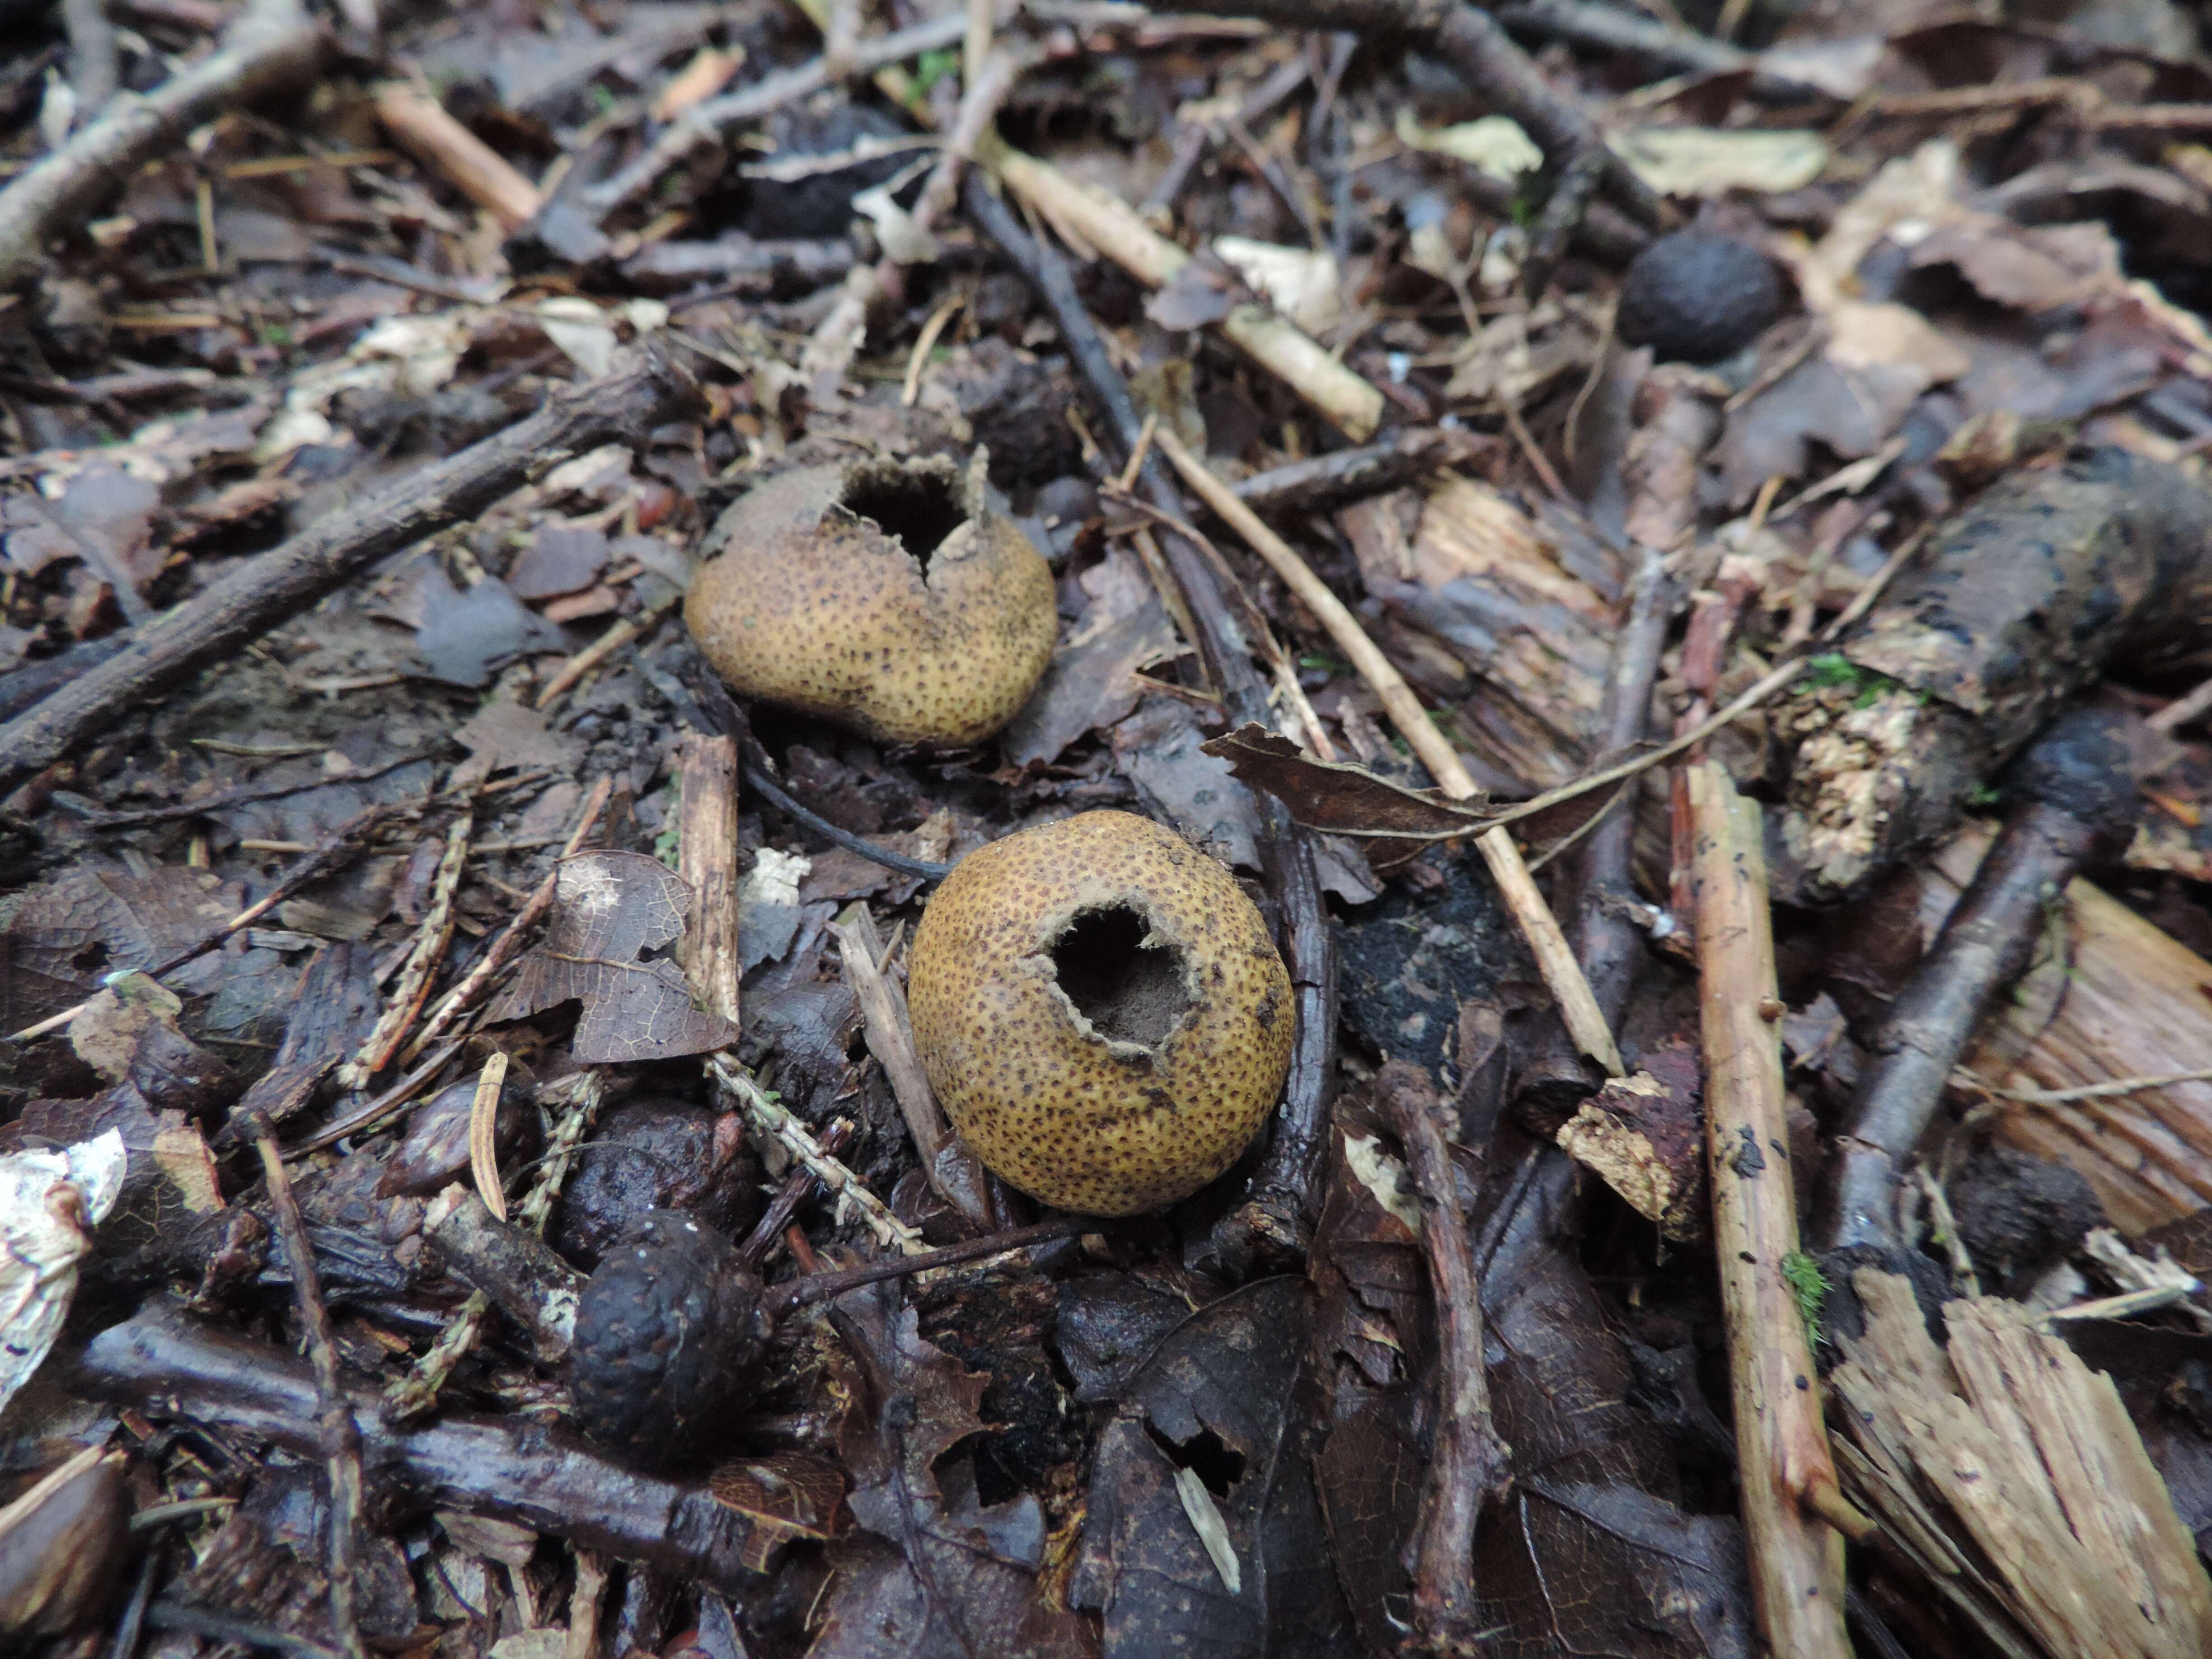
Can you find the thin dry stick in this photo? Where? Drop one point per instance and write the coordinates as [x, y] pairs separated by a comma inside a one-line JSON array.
[[1471, 1461], [431, 940], [478, 979], [1555, 959], [621, 633], [1786, 1470], [707, 859], [341, 1434], [1119, 232], [891, 1040], [2109, 1091], [2182, 710], [766, 1116], [418, 122]]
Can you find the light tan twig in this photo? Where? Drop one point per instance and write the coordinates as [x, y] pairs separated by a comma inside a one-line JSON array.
[[624, 632], [1555, 959], [1120, 232], [420, 124], [1787, 1475]]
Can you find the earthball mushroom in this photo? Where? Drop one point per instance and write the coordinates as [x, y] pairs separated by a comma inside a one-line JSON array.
[[1102, 1012], [884, 595]]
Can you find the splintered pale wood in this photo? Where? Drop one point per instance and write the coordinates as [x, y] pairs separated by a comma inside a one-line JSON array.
[[2011, 1475], [707, 860], [2129, 1001], [1782, 1447]]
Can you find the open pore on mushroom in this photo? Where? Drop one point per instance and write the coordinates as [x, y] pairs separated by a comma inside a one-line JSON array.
[[1129, 984], [917, 509]]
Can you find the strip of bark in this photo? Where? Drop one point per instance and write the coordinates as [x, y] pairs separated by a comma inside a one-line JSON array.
[[275, 45], [1781, 1445], [707, 860], [623, 407]]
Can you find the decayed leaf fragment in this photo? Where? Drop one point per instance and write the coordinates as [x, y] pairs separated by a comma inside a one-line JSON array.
[[49, 1202], [610, 909]]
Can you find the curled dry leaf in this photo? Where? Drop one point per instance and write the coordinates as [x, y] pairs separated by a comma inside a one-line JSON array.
[[609, 911], [49, 1202]]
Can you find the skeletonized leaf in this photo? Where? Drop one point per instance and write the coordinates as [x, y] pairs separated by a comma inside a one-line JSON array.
[[609, 911]]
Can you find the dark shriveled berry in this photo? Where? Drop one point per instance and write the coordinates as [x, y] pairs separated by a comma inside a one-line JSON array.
[[1694, 297], [668, 1333]]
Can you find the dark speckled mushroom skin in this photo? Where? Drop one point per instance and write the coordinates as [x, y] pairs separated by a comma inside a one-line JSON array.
[[809, 606], [1052, 1105]]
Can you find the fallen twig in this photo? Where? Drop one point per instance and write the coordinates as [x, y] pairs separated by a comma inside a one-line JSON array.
[[1392, 462], [421, 126], [1119, 232], [622, 407], [1470, 1462], [1786, 1474], [338, 1435], [1555, 961], [274, 43], [2078, 795], [545, 1478]]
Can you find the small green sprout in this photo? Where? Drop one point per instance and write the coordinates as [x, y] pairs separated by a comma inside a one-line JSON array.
[[1810, 1286]]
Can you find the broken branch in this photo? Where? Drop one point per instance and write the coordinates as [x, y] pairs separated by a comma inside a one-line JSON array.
[[274, 43], [622, 407]]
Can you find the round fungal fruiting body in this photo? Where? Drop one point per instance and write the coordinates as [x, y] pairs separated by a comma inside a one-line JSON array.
[[1102, 1012], [885, 596], [1696, 297], [668, 1331]]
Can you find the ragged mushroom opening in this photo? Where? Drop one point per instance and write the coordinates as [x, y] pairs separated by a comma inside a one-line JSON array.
[[1129, 990], [917, 510]]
